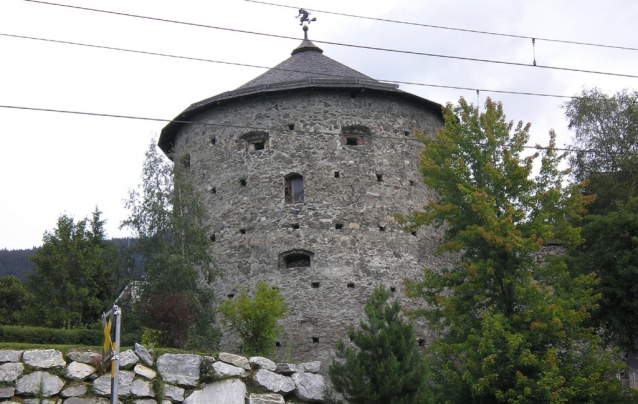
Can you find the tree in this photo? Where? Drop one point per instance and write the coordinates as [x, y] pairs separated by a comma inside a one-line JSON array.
[[255, 320], [386, 367], [607, 126], [511, 327], [169, 221], [72, 280], [13, 296]]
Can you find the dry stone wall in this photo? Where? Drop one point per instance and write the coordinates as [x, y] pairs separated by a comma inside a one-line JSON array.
[[46, 376], [345, 223]]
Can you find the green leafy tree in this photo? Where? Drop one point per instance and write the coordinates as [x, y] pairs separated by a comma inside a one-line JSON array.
[[13, 297], [386, 367], [169, 222], [72, 280], [607, 128], [511, 327], [255, 320]]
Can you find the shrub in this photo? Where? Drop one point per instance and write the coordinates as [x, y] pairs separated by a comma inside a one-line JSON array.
[[41, 335]]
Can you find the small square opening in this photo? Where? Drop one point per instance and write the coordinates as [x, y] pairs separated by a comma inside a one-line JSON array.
[[213, 141], [213, 191], [406, 133], [350, 285], [315, 285], [230, 295], [339, 226], [379, 177], [393, 289], [421, 342], [291, 126], [351, 140], [381, 228], [212, 238], [277, 344], [315, 340], [242, 182], [260, 145], [411, 183], [242, 231], [413, 232], [336, 174], [295, 226]]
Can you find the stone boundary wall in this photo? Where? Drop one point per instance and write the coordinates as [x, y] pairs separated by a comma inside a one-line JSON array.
[[46, 376]]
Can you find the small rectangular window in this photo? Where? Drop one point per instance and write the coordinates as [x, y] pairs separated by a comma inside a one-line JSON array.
[[411, 183], [336, 174], [379, 177], [339, 226], [315, 340], [315, 285], [242, 182], [350, 285], [351, 140], [295, 226], [259, 145], [242, 231]]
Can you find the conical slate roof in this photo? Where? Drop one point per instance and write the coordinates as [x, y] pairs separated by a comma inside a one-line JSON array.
[[306, 68]]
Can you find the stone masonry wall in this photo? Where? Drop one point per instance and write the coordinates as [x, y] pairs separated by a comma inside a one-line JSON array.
[[46, 376], [346, 222]]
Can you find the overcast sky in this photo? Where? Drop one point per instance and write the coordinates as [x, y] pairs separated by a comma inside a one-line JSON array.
[[55, 163]]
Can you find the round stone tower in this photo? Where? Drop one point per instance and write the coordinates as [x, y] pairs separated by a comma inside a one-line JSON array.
[[302, 170]]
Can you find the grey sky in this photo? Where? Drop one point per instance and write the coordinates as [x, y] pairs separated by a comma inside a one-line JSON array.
[[55, 163]]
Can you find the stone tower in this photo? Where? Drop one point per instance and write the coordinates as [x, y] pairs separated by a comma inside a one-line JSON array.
[[301, 170]]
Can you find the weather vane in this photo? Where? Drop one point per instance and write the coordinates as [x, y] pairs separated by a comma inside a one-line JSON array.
[[303, 17]]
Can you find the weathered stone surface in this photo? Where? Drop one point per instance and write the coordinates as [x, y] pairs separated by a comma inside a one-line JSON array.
[[128, 359], [74, 391], [102, 385], [308, 387], [79, 371], [85, 400], [182, 369], [142, 388], [286, 368], [84, 355], [38, 401], [231, 391], [263, 363], [10, 371], [312, 367], [145, 401], [7, 355], [236, 360], [225, 370], [102, 400], [43, 358], [144, 371], [274, 382], [144, 355], [34, 382], [266, 399], [7, 392], [173, 393]]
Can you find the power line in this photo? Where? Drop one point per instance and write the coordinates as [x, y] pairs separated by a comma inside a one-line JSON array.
[[280, 129], [501, 62], [281, 69], [472, 31]]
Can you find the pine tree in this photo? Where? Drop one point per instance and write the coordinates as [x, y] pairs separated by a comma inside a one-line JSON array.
[[385, 367]]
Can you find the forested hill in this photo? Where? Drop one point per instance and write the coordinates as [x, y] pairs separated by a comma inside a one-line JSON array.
[[16, 262]]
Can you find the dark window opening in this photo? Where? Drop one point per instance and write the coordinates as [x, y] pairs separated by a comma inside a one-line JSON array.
[[393, 289], [413, 233], [355, 135], [350, 285], [259, 145], [297, 261], [315, 285], [336, 174], [242, 231], [406, 133], [381, 228], [379, 177], [242, 182], [352, 140], [339, 226], [295, 226], [411, 183], [291, 126], [212, 238], [421, 342], [255, 140], [213, 141], [315, 340], [214, 190], [277, 343], [294, 189], [230, 295]]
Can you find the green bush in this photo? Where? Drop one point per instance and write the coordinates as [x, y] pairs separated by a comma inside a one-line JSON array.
[[41, 335]]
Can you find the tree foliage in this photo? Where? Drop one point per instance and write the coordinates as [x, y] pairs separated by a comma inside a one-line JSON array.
[[255, 320], [169, 221], [386, 366], [13, 297], [607, 126], [511, 326], [72, 280]]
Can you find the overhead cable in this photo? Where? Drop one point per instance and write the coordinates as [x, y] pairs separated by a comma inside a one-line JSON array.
[[501, 62]]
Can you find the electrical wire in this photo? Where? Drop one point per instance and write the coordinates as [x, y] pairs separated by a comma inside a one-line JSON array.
[[281, 69], [280, 129], [472, 31], [501, 62]]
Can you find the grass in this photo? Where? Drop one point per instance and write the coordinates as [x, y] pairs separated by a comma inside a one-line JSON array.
[[62, 348]]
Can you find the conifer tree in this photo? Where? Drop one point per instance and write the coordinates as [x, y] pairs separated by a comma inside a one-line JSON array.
[[511, 327], [386, 366]]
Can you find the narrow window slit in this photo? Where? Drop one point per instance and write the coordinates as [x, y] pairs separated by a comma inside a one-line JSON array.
[[339, 226], [295, 226], [336, 174], [213, 141], [242, 182], [212, 238], [231, 295], [379, 177], [315, 285], [214, 190], [291, 126], [350, 285]]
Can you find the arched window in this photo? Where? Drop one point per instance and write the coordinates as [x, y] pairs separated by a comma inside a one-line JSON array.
[[293, 191], [255, 140], [295, 259], [355, 135]]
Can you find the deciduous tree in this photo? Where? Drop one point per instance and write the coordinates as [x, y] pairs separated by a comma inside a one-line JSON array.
[[511, 327]]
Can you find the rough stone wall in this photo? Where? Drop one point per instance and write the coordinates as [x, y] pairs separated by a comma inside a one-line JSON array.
[[252, 224]]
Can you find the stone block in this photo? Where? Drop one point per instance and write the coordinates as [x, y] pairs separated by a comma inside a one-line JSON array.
[[263, 363], [182, 369], [84, 355], [144, 355], [102, 385], [79, 371], [74, 391], [8, 355], [309, 387], [286, 368], [274, 382], [39, 382], [128, 359], [43, 358], [271, 398], [144, 371], [173, 393], [231, 391], [6, 392], [10, 371], [312, 367], [142, 388], [225, 370], [236, 360]]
